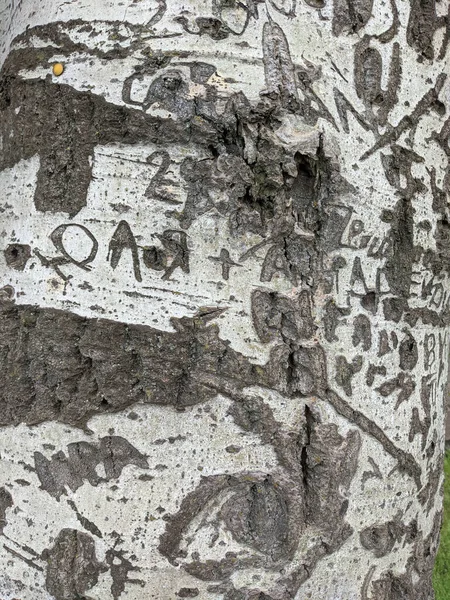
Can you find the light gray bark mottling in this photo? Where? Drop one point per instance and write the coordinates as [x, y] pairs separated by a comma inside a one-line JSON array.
[[224, 300]]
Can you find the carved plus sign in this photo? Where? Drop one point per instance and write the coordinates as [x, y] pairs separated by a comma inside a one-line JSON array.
[[225, 260]]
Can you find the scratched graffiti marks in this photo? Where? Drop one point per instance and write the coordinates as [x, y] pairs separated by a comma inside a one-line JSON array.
[[429, 103], [369, 65], [368, 68], [403, 261], [416, 581], [398, 341], [71, 566], [306, 177], [269, 512], [380, 538], [410, 279], [221, 18], [108, 366], [85, 121], [285, 169], [120, 566], [172, 253], [251, 201], [350, 16], [160, 185], [422, 25]]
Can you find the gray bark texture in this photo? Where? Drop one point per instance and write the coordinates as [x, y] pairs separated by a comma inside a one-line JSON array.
[[224, 298]]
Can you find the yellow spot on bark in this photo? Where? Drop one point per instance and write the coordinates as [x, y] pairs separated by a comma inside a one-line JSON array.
[[58, 69]]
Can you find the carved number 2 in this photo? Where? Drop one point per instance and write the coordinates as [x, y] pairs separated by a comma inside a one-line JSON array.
[[160, 187]]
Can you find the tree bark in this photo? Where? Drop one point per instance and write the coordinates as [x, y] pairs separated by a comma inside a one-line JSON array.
[[224, 298]]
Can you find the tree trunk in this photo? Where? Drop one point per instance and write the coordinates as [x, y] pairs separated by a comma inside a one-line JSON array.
[[225, 298]]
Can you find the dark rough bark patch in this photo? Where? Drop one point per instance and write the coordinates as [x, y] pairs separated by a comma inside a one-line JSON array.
[[381, 538], [277, 317], [362, 333], [119, 568], [297, 369], [188, 592], [408, 352], [279, 69], [71, 368], [80, 464], [398, 268], [6, 501], [258, 516], [327, 445], [416, 582], [59, 366], [422, 25], [72, 566], [345, 371], [17, 256], [350, 16]]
